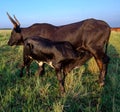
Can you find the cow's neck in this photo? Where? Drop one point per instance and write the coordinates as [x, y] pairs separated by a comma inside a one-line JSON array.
[[25, 33]]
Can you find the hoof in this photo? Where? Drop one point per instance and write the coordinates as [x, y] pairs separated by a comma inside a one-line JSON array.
[[62, 94], [101, 84]]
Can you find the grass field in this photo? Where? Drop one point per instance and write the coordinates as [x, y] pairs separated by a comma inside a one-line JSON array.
[[41, 94]]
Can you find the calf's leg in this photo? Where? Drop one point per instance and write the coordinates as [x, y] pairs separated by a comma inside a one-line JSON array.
[[41, 69], [60, 78]]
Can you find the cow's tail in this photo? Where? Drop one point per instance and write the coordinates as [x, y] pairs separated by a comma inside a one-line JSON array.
[[107, 41], [107, 58], [106, 47]]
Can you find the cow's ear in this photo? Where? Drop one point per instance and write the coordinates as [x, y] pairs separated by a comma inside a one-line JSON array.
[[15, 22], [17, 29]]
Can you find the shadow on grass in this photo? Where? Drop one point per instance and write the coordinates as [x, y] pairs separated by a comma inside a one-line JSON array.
[[110, 98]]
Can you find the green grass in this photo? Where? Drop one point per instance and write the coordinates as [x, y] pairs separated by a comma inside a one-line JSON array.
[[41, 94]]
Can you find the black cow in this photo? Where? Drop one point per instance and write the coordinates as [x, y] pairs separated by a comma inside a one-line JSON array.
[[60, 54], [90, 36]]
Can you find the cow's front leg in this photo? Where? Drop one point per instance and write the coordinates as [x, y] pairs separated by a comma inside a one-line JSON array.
[[26, 63]]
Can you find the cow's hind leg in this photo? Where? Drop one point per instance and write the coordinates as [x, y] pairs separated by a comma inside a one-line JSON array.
[[103, 70], [103, 64], [102, 61]]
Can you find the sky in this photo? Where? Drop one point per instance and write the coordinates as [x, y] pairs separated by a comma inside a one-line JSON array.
[[59, 12]]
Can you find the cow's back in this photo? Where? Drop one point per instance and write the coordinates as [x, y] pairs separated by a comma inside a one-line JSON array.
[[80, 32], [43, 30]]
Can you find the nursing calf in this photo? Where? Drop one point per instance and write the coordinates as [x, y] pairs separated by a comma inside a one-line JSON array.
[[60, 54]]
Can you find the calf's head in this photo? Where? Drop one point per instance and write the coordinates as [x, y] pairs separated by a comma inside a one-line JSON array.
[[16, 36]]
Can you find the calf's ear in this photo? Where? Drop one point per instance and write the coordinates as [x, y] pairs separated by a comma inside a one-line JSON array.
[[30, 45]]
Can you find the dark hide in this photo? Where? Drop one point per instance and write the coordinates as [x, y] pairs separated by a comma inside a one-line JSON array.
[[59, 53], [90, 36]]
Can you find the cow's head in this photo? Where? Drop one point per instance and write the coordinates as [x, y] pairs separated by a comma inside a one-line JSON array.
[[16, 36]]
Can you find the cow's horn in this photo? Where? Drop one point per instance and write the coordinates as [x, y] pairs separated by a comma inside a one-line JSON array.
[[18, 23], [12, 20]]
